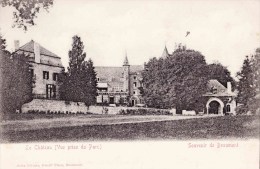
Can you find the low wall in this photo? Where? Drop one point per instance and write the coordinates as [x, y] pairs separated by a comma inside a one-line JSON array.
[[73, 107], [54, 105], [188, 112]]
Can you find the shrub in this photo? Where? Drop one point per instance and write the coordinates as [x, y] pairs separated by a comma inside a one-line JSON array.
[[241, 110], [122, 112], [67, 102], [144, 112]]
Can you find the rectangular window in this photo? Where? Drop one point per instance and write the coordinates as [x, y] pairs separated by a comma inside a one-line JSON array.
[[135, 84], [45, 75], [31, 72], [228, 108], [55, 76], [50, 91], [134, 77], [54, 91]]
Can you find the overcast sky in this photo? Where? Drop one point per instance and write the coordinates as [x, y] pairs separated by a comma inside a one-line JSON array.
[[223, 31]]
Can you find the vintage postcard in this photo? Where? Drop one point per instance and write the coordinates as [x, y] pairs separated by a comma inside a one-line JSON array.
[[129, 84]]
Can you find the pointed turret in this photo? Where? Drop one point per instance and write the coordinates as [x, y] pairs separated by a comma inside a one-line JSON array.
[[165, 53], [126, 72], [126, 61]]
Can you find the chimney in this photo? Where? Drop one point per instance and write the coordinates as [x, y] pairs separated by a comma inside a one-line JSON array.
[[229, 88], [16, 45], [36, 49]]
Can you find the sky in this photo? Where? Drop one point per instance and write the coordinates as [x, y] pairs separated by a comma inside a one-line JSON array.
[[223, 31]]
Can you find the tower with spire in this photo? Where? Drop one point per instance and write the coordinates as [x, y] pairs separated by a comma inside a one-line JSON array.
[[126, 72]]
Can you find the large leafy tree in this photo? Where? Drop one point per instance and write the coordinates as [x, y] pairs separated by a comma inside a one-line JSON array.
[[25, 11], [16, 80], [177, 81], [79, 82], [245, 84], [221, 73], [255, 100]]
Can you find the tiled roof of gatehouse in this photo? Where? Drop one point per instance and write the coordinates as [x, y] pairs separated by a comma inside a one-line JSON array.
[[220, 89]]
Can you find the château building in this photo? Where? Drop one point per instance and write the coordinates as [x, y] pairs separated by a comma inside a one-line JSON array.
[[120, 84], [44, 68]]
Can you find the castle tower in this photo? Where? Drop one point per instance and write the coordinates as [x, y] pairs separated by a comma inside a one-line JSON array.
[[126, 69]]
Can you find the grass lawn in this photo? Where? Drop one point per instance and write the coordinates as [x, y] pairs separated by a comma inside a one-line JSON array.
[[27, 116], [222, 127]]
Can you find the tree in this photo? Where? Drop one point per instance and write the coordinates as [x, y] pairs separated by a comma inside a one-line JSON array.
[[79, 84], [255, 100], [16, 81], [176, 81], [245, 84], [91, 83], [26, 10], [191, 79], [2, 43], [221, 73]]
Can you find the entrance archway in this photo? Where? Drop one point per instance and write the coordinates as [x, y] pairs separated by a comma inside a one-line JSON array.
[[214, 106], [134, 100]]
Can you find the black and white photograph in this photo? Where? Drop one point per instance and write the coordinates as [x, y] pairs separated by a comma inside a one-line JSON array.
[[109, 76]]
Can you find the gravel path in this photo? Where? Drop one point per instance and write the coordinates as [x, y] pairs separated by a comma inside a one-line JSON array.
[[83, 120]]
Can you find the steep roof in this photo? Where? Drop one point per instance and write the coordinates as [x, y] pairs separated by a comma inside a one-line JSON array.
[[126, 61], [109, 72], [136, 68], [217, 84], [29, 47], [215, 88], [115, 73]]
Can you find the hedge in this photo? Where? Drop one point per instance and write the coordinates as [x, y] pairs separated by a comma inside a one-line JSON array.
[[144, 112]]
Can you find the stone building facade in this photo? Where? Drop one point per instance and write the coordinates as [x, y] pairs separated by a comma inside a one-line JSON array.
[[120, 84], [44, 67]]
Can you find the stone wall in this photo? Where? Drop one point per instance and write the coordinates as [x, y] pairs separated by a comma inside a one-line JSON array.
[[188, 112], [73, 107]]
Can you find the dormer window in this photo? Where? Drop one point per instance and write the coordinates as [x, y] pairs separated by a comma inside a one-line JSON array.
[[214, 90]]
